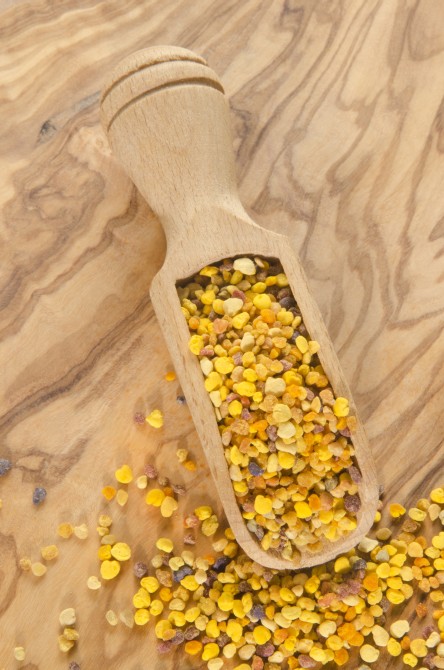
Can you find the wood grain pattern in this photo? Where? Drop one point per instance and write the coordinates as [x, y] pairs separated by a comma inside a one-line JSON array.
[[338, 123]]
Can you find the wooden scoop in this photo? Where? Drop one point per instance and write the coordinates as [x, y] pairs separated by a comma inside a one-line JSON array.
[[167, 121]]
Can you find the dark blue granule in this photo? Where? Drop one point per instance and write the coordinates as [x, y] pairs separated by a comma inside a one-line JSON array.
[[181, 400], [5, 466], [73, 666], [287, 302], [284, 293], [257, 612], [221, 563], [255, 469], [39, 495], [185, 570], [211, 578]]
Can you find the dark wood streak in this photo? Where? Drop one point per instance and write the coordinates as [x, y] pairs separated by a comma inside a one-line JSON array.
[[87, 256], [78, 373], [9, 571], [51, 126], [49, 469]]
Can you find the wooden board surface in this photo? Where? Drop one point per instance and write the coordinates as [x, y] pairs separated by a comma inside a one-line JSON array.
[[338, 116]]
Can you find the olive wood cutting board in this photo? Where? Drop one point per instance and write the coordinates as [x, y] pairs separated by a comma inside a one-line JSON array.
[[337, 119]]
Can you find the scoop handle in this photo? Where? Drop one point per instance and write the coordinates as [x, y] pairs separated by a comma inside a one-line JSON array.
[[167, 121]]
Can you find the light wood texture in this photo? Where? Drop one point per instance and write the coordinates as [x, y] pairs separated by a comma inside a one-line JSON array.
[[168, 124], [337, 116]]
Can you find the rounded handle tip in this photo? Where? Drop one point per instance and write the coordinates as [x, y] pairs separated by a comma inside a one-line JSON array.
[[148, 70], [167, 121]]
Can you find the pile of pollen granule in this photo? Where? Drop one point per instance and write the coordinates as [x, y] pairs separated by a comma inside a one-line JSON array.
[[286, 436], [223, 606]]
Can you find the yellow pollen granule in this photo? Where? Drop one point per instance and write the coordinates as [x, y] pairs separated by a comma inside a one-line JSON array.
[[142, 482], [396, 510], [112, 618], [168, 506], [155, 497], [437, 496], [121, 551], [141, 617], [81, 531], [399, 628], [244, 265], [104, 552], [411, 660], [150, 584], [263, 505], [65, 530], [203, 512], [109, 569], [303, 510], [38, 569], [225, 602], [417, 514], [71, 634], [302, 344], [108, 492], [224, 365], [164, 544], [210, 650], [25, 563], [67, 617], [393, 647], [261, 634], [19, 653], [195, 344], [368, 653], [105, 520], [155, 418], [64, 644], [50, 552], [193, 647], [341, 407], [124, 474], [418, 647], [122, 497], [262, 301], [210, 526], [170, 376], [93, 583], [189, 582], [342, 565], [127, 617]]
